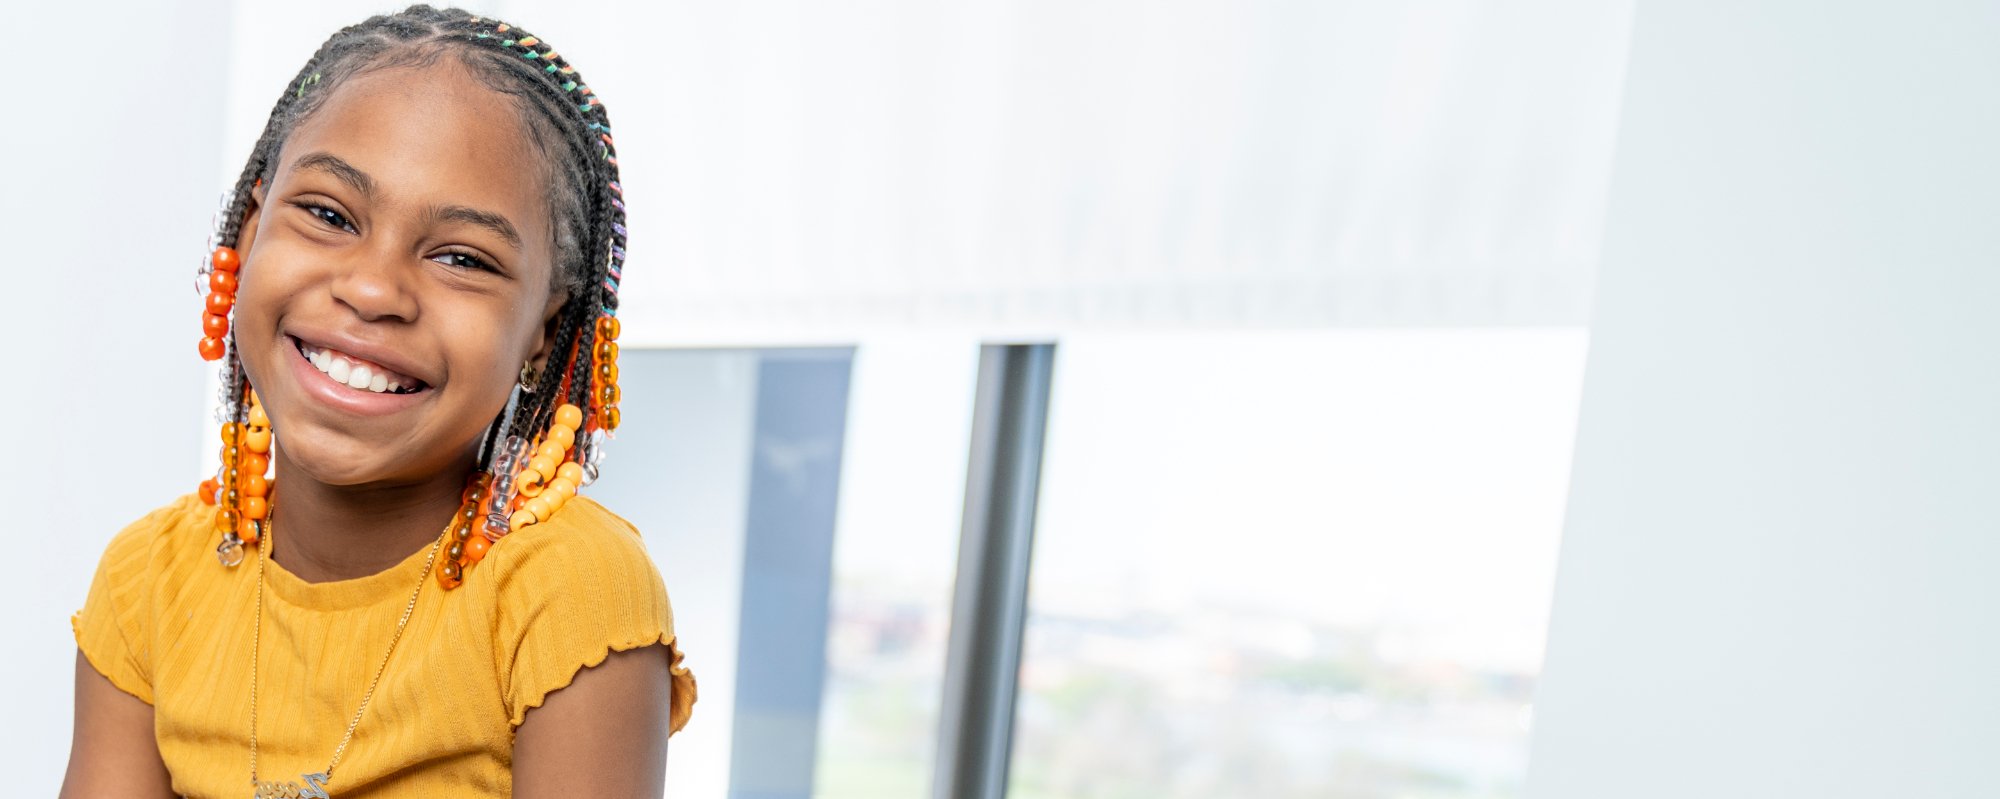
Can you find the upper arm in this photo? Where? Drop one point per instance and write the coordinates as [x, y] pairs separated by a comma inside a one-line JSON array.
[[112, 751], [603, 735]]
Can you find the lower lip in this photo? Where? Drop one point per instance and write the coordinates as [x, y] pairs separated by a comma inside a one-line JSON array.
[[343, 397]]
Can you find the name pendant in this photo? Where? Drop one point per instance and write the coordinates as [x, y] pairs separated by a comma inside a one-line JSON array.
[[315, 788]]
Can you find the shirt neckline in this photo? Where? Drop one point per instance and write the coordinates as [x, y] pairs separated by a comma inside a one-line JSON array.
[[390, 583]]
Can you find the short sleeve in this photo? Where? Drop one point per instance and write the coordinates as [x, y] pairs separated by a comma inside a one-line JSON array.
[[568, 595], [113, 630]]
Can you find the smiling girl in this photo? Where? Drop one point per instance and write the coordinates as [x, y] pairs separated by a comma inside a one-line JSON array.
[[391, 586]]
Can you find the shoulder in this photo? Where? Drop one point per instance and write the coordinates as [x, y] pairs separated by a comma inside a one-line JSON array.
[[163, 540], [583, 543]]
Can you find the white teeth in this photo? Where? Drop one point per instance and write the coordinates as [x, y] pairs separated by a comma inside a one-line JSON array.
[[351, 374]]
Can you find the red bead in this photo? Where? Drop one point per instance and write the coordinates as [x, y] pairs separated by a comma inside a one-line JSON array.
[[214, 326], [219, 303], [224, 282], [224, 260], [211, 349]]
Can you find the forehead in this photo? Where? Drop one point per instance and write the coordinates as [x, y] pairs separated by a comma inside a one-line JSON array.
[[431, 134]]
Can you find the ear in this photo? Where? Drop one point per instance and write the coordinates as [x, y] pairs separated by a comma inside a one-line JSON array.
[[253, 210], [545, 336]]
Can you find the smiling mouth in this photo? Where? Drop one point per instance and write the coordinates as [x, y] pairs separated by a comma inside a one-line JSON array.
[[356, 373]]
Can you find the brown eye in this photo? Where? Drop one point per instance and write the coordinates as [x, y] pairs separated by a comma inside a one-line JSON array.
[[463, 260], [327, 216]]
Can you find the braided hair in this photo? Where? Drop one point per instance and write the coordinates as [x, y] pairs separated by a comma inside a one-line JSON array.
[[567, 125]]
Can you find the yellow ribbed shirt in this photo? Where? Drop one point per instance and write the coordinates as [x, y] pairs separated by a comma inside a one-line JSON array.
[[167, 623]]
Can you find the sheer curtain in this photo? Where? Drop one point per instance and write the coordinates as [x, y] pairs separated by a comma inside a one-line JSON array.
[[819, 171]]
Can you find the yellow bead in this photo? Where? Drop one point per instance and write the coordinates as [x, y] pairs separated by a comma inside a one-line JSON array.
[[571, 472], [529, 483], [544, 465], [559, 492], [565, 436], [257, 417], [541, 508], [258, 439], [569, 416], [521, 518], [553, 450]]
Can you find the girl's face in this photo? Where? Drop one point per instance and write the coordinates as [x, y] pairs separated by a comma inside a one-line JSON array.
[[404, 232]]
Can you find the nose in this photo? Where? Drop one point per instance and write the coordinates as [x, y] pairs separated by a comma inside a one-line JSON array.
[[374, 283]]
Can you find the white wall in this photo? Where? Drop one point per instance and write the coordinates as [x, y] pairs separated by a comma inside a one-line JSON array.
[[1778, 576], [109, 156]]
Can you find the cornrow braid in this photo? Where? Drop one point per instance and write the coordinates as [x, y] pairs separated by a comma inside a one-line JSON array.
[[571, 129]]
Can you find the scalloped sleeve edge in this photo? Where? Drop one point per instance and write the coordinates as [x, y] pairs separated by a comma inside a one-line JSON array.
[[684, 693]]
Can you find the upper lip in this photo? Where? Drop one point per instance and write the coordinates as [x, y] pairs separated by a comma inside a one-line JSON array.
[[376, 353]]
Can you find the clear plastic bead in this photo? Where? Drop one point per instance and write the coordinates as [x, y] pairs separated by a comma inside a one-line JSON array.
[[231, 550], [589, 473]]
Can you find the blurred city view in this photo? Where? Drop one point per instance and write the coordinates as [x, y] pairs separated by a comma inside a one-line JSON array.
[[1338, 589]]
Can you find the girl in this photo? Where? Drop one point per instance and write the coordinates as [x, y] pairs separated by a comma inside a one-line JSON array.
[[391, 586]]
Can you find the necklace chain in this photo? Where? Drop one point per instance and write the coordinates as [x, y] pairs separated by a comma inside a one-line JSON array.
[[256, 654]]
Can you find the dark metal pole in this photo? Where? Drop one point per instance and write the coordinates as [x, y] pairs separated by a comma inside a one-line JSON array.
[[990, 606]]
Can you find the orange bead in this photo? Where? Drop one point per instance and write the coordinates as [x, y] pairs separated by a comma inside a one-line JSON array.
[[610, 395], [258, 439], [211, 348], [219, 303], [247, 530], [606, 371], [227, 518], [254, 463], [569, 416], [611, 417], [214, 326], [255, 507], [230, 430], [225, 260], [222, 281], [456, 551], [608, 327], [256, 485], [208, 491], [450, 574], [476, 548]]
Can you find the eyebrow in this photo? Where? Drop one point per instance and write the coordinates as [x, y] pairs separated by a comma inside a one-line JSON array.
[[473, 216], [333, 165]]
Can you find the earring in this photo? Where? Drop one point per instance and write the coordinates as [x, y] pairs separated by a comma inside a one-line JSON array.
[[222, 267]]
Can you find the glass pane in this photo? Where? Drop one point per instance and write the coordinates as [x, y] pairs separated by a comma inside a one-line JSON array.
[[1292, 564], [895, 557]]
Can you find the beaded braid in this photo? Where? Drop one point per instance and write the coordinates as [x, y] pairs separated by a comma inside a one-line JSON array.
[[542, 447]]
